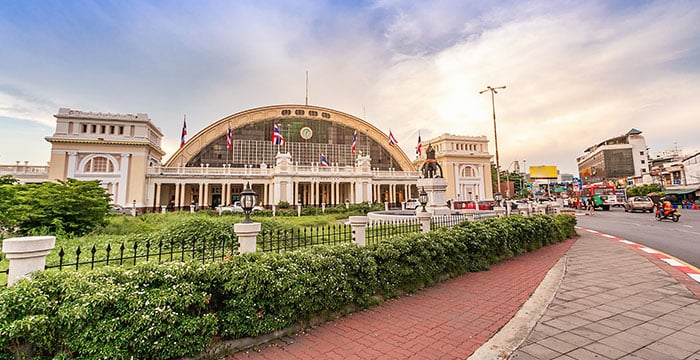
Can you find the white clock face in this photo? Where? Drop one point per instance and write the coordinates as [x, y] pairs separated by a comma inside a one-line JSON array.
[[306, 133]]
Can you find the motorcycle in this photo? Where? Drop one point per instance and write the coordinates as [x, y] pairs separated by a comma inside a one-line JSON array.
[[672, 214]]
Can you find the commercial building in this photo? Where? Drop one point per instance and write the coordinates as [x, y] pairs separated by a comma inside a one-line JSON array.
[[615, 160], [326, 157]]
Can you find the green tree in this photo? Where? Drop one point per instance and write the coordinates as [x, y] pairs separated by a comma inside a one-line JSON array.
[[68, 207], [643, 190]]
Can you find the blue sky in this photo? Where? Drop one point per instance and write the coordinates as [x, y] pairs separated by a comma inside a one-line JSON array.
[[576, 72]]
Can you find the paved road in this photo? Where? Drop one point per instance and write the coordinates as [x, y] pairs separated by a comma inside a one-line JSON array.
[[681, 239]]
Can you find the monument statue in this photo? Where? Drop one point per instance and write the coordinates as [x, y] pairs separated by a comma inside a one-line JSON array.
[[431, 168]]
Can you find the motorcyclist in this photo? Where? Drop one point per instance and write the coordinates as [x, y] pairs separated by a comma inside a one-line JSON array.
[[665, 208]]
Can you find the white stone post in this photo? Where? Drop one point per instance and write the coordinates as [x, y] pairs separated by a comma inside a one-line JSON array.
[[359, 226], [424, 219], [26, 255], [162, 209], [323, 208], [386, 206], [247, 233], [274, 210], [298, 209]]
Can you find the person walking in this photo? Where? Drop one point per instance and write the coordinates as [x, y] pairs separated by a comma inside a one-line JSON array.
[[589, 206]]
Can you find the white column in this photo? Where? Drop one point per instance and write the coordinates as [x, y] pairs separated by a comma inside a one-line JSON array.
[[123, 178], [159, 187], [72, 160], [26, 255], [200, 202], [177, 195]]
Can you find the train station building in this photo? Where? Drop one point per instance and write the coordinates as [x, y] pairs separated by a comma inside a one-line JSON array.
[[322, 156]]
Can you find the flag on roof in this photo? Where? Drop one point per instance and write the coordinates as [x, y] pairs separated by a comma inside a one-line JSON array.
[[229, 137], [277, 138], [324, 162], [419, 146], [184, 132], [354, 142], [392, 139]]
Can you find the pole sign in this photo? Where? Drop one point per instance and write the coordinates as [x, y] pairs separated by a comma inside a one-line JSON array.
[[577, 181]]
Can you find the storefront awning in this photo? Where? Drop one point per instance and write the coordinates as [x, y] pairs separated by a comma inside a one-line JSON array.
[[681, 190]]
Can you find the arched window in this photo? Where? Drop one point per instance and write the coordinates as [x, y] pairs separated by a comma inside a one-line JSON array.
[[468, 171], [99, 164]]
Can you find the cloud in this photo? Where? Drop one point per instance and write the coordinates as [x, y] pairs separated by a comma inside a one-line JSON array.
[[576, 73]]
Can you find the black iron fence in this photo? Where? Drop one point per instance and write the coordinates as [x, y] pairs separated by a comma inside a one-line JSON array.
[[160, 252], [376, 231], [284, 240], [446, 221]]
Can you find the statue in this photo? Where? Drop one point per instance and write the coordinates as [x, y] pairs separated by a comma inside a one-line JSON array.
[[431, 168]]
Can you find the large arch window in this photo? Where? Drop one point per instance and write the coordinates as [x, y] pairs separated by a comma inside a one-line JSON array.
[[252, 145], [98, 164]]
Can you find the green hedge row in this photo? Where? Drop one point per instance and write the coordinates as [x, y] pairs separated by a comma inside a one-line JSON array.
[[180, 309]]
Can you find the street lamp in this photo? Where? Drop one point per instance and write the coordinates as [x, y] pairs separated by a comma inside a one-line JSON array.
[[248, 199], [495, 133], [423, 198]]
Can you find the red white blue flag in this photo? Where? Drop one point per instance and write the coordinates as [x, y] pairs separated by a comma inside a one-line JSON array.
[[392, 139], [184, 132], [277, 138], [354, 142], [324, 162], [419, 146], [229, 137]]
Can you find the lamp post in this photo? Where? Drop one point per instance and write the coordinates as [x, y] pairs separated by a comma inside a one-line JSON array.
[[493, 91], [248, 199], [423, 198]]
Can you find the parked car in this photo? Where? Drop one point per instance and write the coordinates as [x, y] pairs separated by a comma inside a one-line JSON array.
[[483, 205], [639, 203], [120, 210], [412, 204]]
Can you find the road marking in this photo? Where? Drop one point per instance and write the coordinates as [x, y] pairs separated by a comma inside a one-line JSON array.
[[690, 270]]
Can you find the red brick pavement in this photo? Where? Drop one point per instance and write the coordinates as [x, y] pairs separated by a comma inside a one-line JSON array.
[[447, 321]]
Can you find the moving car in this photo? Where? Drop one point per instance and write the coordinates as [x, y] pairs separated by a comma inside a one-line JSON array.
[[639, 203]]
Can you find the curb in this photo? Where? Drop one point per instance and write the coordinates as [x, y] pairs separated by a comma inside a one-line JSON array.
[[511, 335]]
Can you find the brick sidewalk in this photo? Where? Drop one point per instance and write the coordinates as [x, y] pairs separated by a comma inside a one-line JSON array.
[[448, 321]]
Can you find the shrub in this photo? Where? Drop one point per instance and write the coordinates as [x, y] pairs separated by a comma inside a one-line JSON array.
[[179, 309]]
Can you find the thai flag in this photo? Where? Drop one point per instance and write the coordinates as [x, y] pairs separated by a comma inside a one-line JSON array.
[[277, 138], [392, 139], [420, 145], [354, 142], [229, 137], [324, 162], [184, 132]]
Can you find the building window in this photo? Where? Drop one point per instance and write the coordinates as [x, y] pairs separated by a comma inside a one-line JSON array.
[[298, 112], [99, 164], [286, 112], [468, 171], [313, 113], [325, 115]]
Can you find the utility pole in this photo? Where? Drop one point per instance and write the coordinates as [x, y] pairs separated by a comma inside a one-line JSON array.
[[493, 91]]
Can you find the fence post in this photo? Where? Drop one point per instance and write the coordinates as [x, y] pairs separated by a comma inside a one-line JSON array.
[[424, 219], [386, 206], [162, 209], [26, 255], [274, 210], [359, 226], [298, 209], [247, 233]]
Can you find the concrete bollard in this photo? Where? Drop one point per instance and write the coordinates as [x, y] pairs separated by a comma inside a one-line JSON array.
[[424, 219], [247, 234], [26, 255], [359, 226], [163, 209]]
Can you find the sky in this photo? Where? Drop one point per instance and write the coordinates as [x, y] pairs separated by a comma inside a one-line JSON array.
[[576, 72]]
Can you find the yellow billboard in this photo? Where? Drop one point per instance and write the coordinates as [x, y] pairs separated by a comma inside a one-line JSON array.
[[543, 172]]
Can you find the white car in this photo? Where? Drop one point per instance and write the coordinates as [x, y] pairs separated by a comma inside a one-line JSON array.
[[412, 204], [232, 208]]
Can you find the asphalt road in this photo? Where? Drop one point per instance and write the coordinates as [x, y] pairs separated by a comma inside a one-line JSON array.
[[680, 240]]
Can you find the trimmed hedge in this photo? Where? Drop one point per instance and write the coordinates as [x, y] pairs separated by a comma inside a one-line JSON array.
[[180, 309]]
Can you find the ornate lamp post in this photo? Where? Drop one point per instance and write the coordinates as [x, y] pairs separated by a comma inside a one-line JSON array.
[[423, 198], [248, 200]]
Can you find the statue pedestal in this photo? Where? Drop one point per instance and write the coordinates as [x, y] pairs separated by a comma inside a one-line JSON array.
[[436, 189]]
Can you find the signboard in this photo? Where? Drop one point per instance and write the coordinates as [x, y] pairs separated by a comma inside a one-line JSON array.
[[543, 172]]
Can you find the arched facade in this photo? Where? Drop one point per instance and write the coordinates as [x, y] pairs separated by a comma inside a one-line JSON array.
[[206, 172]]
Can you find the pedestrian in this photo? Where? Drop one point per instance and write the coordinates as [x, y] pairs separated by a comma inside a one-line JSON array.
[[589, 206]]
